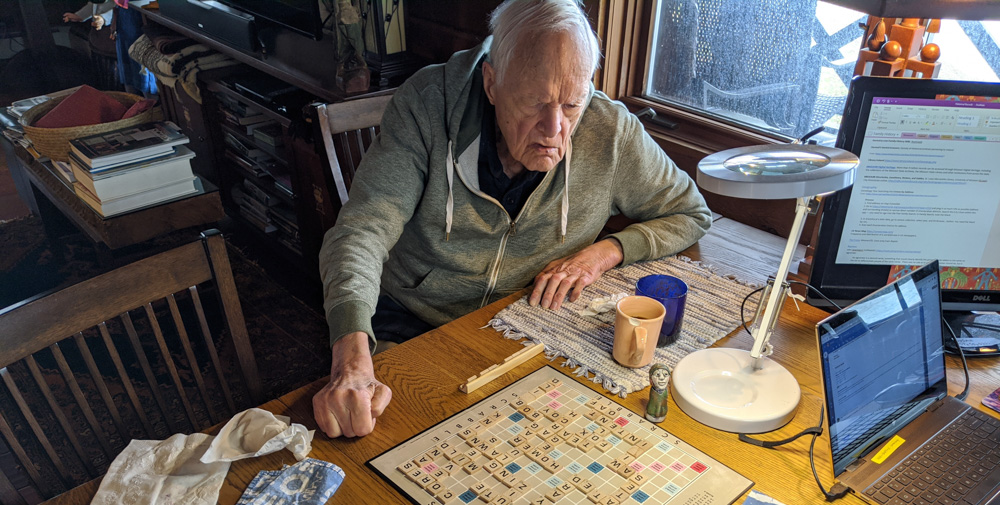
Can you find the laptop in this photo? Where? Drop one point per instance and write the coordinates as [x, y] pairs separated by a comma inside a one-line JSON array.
[[895, 434]]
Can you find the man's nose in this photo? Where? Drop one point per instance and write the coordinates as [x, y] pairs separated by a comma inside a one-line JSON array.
[[551, 122]]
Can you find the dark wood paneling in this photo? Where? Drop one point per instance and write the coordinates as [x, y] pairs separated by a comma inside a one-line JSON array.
[[437, 28]]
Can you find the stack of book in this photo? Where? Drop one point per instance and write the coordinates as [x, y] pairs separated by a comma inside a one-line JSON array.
[[132, 168]]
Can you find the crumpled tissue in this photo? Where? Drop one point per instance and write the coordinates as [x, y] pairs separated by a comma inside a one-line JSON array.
[[601, 304], [190, 469], [256, 432]]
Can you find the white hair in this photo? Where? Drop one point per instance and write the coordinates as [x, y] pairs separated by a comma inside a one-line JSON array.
[[517, 21]]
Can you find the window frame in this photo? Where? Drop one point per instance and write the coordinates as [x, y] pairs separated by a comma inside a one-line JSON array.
[[624, 28]]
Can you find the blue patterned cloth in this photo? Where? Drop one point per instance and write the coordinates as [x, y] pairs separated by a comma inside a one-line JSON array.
[[308, 482]]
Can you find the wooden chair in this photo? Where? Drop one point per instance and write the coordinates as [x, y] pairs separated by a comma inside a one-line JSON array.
[[348, 128], [127, 354]]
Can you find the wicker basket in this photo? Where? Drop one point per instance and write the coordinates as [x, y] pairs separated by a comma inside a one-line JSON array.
[[54, 142]]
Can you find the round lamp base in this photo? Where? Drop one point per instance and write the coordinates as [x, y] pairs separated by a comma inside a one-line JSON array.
[[719, 388]]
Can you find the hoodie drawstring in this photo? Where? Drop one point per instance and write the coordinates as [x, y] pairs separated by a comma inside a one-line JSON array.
[[450, 205], [564, 218]]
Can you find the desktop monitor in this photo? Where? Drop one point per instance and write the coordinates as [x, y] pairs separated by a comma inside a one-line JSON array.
[[927, 188]]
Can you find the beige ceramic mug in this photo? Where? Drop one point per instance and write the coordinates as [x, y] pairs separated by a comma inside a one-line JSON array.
[[637, 327]]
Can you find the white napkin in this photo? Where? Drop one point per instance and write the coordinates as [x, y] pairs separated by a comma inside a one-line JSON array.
[[151, 472], [601, 304], [190, 469], [256, 432]]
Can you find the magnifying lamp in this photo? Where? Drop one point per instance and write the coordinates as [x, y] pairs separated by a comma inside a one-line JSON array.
[[732, 389]]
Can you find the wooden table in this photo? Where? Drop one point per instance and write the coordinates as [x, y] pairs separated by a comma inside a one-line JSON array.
[[124, 229], [425, 392]]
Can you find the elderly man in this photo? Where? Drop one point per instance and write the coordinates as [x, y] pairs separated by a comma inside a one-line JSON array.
[[494, 169]]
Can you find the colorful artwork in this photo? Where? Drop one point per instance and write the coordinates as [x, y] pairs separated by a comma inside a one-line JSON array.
[[967, 278], [969, 98]]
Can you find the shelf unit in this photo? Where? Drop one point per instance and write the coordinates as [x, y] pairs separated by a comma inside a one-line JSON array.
[[262, 193]]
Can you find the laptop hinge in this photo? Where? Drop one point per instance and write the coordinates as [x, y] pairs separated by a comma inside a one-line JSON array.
[[936, 405]]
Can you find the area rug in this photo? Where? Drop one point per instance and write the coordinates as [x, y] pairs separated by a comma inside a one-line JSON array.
[[712, 311]]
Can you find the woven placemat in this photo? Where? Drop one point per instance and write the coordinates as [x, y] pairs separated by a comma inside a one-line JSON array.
[[712, 311]]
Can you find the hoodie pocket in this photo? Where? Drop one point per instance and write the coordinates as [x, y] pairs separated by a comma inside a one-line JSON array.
[[445, 286]]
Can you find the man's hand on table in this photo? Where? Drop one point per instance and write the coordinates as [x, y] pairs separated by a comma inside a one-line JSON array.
[[349, 404], [575, 272]]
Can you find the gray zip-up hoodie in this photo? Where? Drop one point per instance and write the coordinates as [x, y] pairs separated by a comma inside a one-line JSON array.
[[418, 225]]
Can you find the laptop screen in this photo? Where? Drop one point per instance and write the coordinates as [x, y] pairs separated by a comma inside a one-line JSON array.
[[883, 363]]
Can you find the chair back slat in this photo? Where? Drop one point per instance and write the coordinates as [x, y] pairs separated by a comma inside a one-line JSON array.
[[36, 428], [8, 493], [81, 400], [210, 346], [147, 365], [230, 300], [15, 447], [192, 361], [168, 361], [102, 387], [126, 382], [34, 325], [60, 416], [339, 120], [147, 371]]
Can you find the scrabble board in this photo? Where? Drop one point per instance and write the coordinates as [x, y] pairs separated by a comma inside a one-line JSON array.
[[548, 439]]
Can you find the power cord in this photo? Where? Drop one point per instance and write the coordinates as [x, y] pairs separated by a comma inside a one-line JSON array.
[[838, 490], [758, 290], [965, 366]]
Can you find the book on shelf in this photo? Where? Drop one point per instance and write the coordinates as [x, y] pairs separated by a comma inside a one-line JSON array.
[[269, 134], [244, 163], [115, 206], [64, 170], [243, 148], [126, 145], [257, 193], [250, 118], [257, 217], [136, 177]]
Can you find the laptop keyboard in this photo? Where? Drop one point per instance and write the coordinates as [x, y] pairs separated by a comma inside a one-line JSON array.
[[959, 466]]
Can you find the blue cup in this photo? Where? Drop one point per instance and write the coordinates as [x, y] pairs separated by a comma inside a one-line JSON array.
[[672, 293]]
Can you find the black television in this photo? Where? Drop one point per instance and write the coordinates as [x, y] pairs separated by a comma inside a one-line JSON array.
[[927, 188], [302, 16]]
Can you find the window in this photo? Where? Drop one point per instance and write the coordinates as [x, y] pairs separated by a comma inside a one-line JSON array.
[[781, 67]]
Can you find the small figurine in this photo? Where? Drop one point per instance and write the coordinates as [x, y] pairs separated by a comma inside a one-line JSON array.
[[352, 71], [659, 380]]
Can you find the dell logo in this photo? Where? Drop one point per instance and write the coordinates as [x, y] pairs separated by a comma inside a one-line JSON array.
[[980, 298]]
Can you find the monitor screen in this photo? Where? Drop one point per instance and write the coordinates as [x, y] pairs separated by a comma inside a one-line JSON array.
[[925, 189]]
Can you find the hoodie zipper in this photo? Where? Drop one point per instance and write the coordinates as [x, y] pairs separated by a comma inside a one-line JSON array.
[[497, 263], [511, 231]]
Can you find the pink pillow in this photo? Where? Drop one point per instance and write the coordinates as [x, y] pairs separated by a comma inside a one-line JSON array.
[[84, 106], [139, 107]]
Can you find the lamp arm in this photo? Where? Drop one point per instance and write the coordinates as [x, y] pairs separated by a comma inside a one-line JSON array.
[[765, 325]]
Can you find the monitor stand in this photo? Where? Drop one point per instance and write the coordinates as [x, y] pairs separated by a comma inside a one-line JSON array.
[[978, 333]]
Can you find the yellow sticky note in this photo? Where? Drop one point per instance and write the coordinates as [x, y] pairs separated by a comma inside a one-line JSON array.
[[889, 448]]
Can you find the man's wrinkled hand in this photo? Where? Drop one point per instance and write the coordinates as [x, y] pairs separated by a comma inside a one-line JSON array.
[[69, 17], [568, 276], [353, 399]]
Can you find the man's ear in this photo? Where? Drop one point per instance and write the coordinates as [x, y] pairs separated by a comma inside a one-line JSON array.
[[489, 81]]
